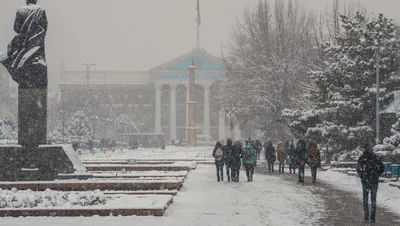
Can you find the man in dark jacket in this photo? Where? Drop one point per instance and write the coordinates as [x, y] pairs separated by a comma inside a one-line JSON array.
[[301, 158], [219, 161], [228, 149], [236, 160], [258, 147], [369, 168]]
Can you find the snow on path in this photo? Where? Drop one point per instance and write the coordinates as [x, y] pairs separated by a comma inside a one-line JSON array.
[[266, 201], [171, 152], [205, 202], [388, 197]]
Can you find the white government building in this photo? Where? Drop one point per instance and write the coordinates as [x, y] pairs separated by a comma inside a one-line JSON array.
[[157, 98]]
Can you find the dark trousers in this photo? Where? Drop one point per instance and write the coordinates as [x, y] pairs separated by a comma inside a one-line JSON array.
[[291, 167], [249, 172], [235, 171], [258, 155], [270, 166], [314, 173], [301, 173], [373, 189], [228, 173], [220, 170], [281, 166]]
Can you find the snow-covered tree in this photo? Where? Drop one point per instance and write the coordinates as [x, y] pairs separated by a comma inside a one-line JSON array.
[[268, 60], [126, 123], [395, 138], [8, 128], [79, 125], [345, 91]]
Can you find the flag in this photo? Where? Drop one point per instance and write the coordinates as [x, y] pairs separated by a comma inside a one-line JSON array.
[[198, 13]]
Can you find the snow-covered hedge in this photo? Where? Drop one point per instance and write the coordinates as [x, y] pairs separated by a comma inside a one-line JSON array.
[[350, 156], [49, 198]]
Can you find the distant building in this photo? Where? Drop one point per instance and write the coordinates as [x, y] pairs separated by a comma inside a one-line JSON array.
[[8, 97], [157, 98]]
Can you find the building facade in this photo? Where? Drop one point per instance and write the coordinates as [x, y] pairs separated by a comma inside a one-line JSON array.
[[157, 98]]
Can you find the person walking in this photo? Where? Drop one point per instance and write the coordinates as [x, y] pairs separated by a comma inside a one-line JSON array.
[[369, 168], [301, 158], [281, 157], [249, 160], [270, 156], [258, 149], [291, 159], [236, 160], [314, 159], [218, 155], [227, 150]]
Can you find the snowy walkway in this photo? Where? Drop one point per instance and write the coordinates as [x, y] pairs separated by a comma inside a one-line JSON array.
[[342, 206], [204, 202]]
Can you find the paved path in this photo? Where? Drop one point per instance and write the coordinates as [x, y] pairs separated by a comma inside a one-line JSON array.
[[342, 208]]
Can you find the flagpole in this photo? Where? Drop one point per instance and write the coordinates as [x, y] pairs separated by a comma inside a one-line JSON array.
[[198, 20]]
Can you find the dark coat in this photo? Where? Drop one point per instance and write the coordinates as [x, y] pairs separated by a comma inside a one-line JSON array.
[[237, 153], [369, 168], [301, 154], [270, 154], [26, 59], [228, 153]]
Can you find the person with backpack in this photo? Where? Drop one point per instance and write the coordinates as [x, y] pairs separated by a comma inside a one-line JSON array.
[[227, 150], [270, 156], [218, 155], [236, 160], [369, 168], [249, 160], [281, 157], [314, 159], [301, 158], [291, 159]]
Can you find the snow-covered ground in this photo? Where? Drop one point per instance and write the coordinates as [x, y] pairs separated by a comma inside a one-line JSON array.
[[203, 201], [171, 152], [388, 196]]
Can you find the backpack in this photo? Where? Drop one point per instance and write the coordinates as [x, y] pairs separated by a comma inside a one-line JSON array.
[[248, 155], [218, 154]]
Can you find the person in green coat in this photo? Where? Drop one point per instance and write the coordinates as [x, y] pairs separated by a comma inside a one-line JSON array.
[[249, 160]]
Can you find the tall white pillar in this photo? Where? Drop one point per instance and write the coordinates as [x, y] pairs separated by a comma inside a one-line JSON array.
[[221, 127], [173, 112], [237, 133], [206, 109], [158, 108], [187, 109]]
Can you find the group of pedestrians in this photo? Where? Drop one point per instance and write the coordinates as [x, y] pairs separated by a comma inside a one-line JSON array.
[[234, 155], [295, 157], [369, 166]]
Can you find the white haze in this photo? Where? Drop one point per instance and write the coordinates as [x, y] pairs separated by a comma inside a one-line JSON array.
[[139, 34]]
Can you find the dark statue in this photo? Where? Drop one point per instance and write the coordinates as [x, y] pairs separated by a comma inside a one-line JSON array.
[[25, 60]]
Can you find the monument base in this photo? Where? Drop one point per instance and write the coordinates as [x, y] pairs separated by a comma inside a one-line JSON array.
[[18, 164]]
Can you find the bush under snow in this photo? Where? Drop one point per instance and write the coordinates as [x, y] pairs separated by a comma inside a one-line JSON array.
[[29, 199]]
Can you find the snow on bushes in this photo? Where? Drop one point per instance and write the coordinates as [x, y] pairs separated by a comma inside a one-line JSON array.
[[29, 199]]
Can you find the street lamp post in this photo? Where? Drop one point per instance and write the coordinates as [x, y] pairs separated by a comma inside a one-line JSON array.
[[379, 50]]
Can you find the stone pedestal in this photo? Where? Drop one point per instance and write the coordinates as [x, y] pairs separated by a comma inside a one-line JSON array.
[[51, 160], [32, 122]]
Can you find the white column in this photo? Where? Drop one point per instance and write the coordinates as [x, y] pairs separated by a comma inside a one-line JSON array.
[[173, 112], [221, 127], [158, 108], [187, 110], [237, 133], [206, 109]]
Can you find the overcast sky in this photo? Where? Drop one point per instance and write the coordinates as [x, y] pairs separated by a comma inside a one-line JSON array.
[[139, 34]]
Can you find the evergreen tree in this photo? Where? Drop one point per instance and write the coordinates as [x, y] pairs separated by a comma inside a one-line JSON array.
[[345, 91], [8, 128], [79, 126]]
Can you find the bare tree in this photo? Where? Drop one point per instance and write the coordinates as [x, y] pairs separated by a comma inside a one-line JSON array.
[[268, 60]]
